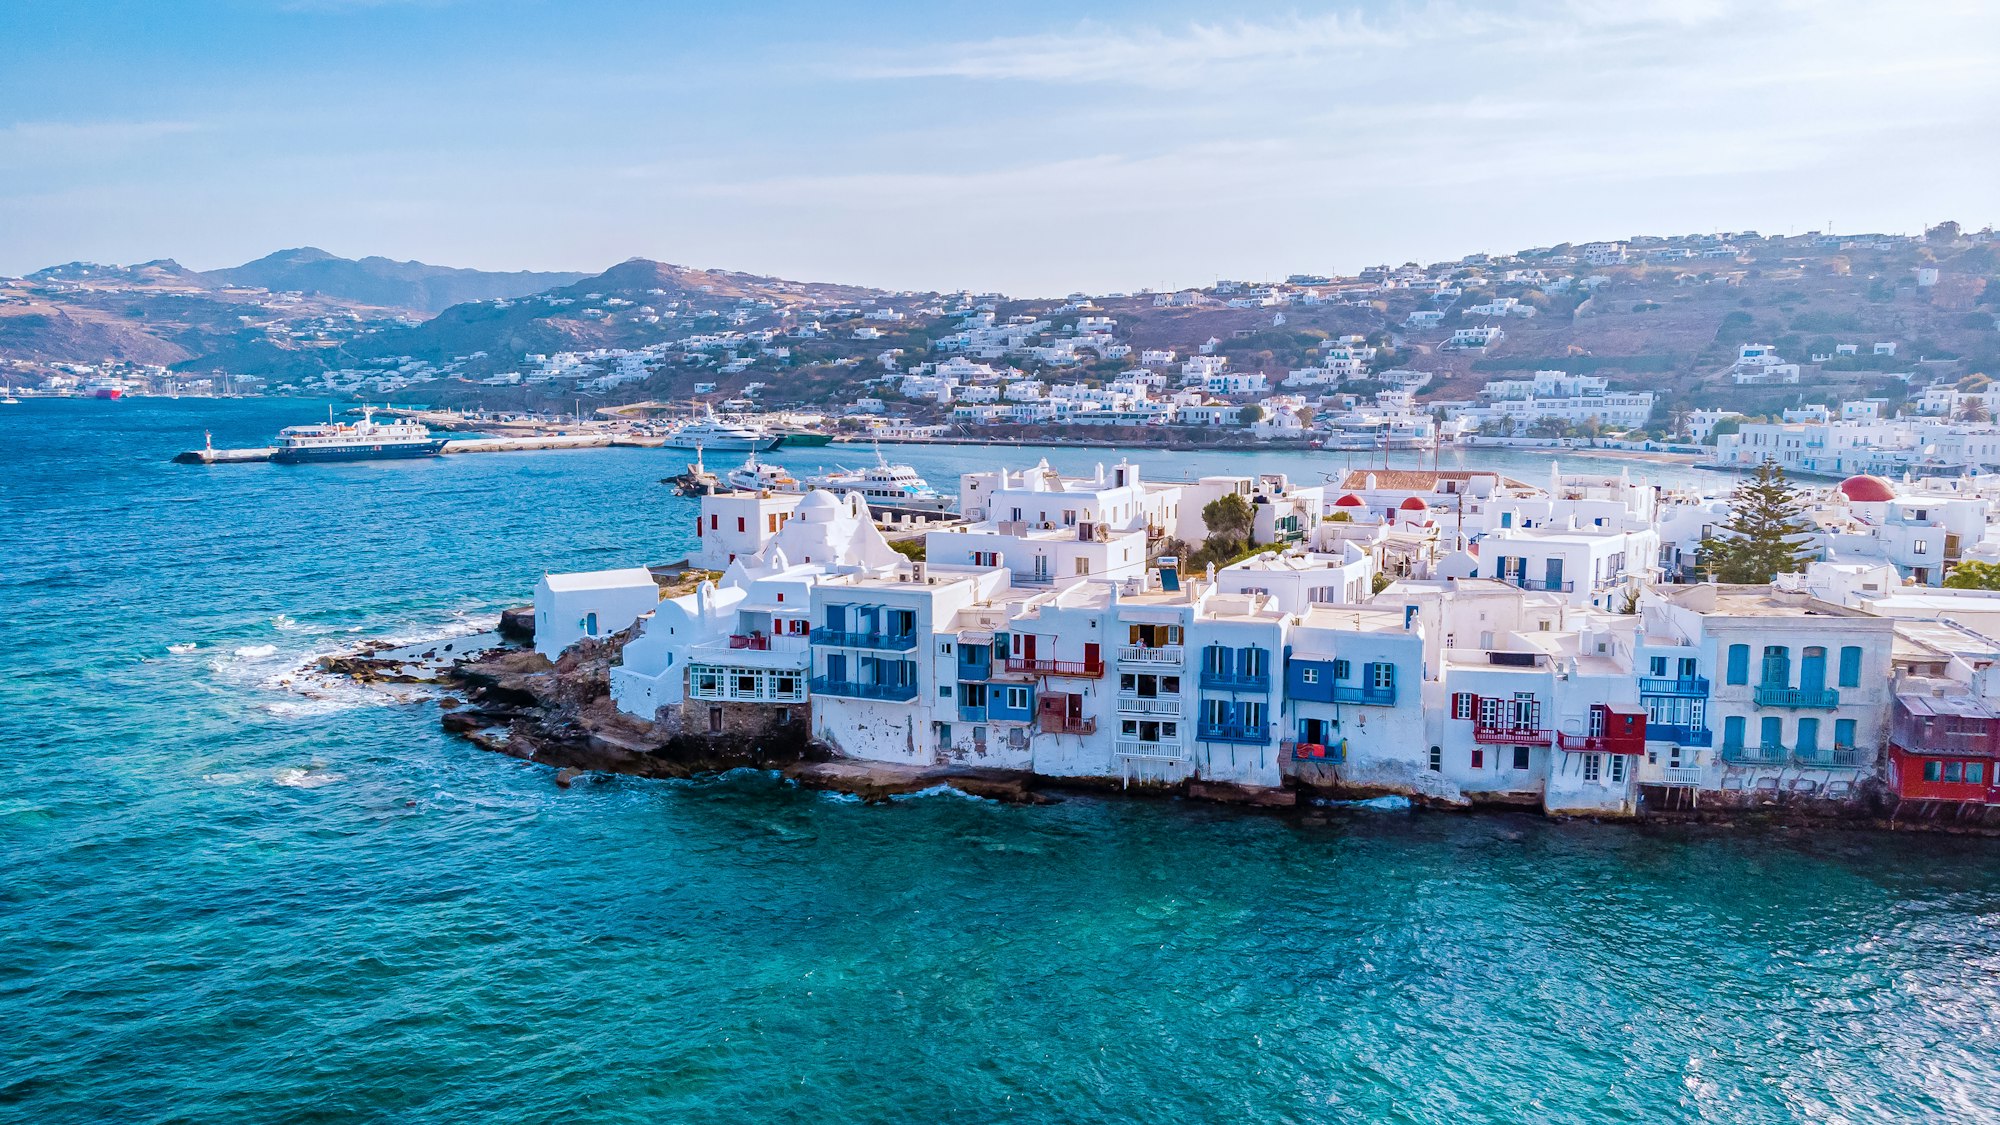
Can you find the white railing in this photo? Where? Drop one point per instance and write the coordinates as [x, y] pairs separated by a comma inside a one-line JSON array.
[[1150, 751], [727, 693], [1146, 654], [1134, 705]]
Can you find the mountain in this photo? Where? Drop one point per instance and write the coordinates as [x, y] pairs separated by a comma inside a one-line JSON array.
[[381, 281], [162, 271]]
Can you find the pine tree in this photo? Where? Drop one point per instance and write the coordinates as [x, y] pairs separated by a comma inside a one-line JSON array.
[[1767, 533]]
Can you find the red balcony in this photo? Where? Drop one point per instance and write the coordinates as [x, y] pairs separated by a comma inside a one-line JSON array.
[[1600, 744], [1084, 669], [755, 642], [1059, 724], [1511, 736]]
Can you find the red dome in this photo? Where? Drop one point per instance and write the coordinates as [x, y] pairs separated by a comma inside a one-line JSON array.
[[1349, 501], [1414, 504], [1867, 489]]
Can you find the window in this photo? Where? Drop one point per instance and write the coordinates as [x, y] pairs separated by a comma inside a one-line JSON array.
[[944, 692], [739, 524], [1850, 666], [1478, 759], [1083, 566], [1308, 675], [1975, 772], [1777, 669], [1954, 771], [1918, 546], [1437, 759], [1341, 669], [1659, 666], [1687, 668], [1732, 731], [1017, 699], [715, 720], [1843, 734], [1739, 665], [1520, 757], [1592, 764], [1933, 770], [1617, 769], [1384, 676]]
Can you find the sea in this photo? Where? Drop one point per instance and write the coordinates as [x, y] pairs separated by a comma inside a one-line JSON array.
[[235, 892]]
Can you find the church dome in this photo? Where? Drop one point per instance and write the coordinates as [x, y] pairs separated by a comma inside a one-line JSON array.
[[819, 506], [1867, 490], [1349, 501], [1414, 504]]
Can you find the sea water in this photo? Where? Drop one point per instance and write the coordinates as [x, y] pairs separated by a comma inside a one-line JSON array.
[[234, 892]]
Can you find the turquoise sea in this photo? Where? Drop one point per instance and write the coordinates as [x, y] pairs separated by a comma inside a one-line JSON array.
[[225, 899]]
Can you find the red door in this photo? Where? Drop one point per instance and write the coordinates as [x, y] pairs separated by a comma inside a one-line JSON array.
[[1091, 655], [1027, 646]]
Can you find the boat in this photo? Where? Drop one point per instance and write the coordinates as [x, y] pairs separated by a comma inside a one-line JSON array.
[[365, 440], [802, 439], [757, 476], [697, 480], [9, 399], [713, 433], [895, 486], [105, 388]]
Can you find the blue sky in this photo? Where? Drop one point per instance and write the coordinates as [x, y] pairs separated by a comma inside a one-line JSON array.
[[1032, 147]]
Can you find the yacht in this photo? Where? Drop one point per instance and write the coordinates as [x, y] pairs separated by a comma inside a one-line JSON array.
[[757, 476], [713, 433], [365, 440], [895, 486]]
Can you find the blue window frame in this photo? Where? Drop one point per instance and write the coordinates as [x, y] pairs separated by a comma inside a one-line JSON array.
[[1738, 670]]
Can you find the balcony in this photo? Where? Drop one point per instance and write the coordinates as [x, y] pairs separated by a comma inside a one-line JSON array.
[[1695, 687], [1236, 681], [1680, 733], [1778, 695], [1132, 749], [1556, 587], [1769, 755], [969, 714], [1365, 693], [1835, 757], [1599, 744], [1153, 654], [1326, 753], [839, 638], [973, 671], [848, 689], [726, 653], [1061, 724], [1250, 734], [1511, 736], [1149, 705], [1085, 669]]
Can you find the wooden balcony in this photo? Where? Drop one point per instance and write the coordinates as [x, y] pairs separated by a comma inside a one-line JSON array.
[[1082, 669]]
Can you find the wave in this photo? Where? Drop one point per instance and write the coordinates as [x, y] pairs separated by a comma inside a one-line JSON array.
[[183, 648], [257, 652], [942, 791], [313, 778], [1388, 804]]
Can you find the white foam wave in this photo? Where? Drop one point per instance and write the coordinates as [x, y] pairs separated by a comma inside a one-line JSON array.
[[257, 652], [942, 791], [313, 778], [1387, 804], [183, 648]]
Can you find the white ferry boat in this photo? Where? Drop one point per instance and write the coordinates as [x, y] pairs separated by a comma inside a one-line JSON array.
[[712, 433], [365, 440], [757, 476], [897, 486], [1366, 431]]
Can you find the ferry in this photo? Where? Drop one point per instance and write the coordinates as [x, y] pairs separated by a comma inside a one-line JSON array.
[[756, 476], [365, 440], [896, 486], [105, 388], [713, 433], [802, 439]]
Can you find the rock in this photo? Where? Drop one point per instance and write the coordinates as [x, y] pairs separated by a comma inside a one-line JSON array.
[[565, 776]]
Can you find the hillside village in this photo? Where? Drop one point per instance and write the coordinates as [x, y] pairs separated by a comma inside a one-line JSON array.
[[1657, 339]]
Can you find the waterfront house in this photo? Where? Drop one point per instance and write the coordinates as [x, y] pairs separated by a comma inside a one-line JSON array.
[[590, 605]]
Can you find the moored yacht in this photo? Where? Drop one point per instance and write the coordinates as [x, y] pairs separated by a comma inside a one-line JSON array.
[[365, 440], [897, 486], [759, 476], [713, 433]]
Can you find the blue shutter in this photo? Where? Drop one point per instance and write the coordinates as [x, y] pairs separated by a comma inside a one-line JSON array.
[[1739, 665], [1850, 666]]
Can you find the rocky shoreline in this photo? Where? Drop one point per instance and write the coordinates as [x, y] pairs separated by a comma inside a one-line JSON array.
[[502, 696]]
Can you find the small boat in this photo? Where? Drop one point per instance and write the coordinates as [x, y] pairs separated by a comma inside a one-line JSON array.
[[9, 399], [105, 388], [895, 486], [697, 480], [756, 476]]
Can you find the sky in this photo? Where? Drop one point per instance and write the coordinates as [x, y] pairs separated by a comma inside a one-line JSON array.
[[1034, 148]]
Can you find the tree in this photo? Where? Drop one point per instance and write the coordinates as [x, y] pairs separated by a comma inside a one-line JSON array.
[[1767, 533], [1228, 517], [1250, 415], [1974, 575]]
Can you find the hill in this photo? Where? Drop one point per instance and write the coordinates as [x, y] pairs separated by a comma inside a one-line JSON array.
[[382, 282]]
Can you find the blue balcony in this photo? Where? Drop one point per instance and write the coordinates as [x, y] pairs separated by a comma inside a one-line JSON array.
[[1694, 687], [974, 671], [970, 714], [1365, 693], [1815, 699], [1767, 755], [1250, 734], [1232, 680], [838, 638], [848, 689], [1680, 733]]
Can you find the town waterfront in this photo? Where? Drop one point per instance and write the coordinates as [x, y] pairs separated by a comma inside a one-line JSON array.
[[229, 899]]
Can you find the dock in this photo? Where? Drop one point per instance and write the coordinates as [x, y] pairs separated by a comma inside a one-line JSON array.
[[210, 456]]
